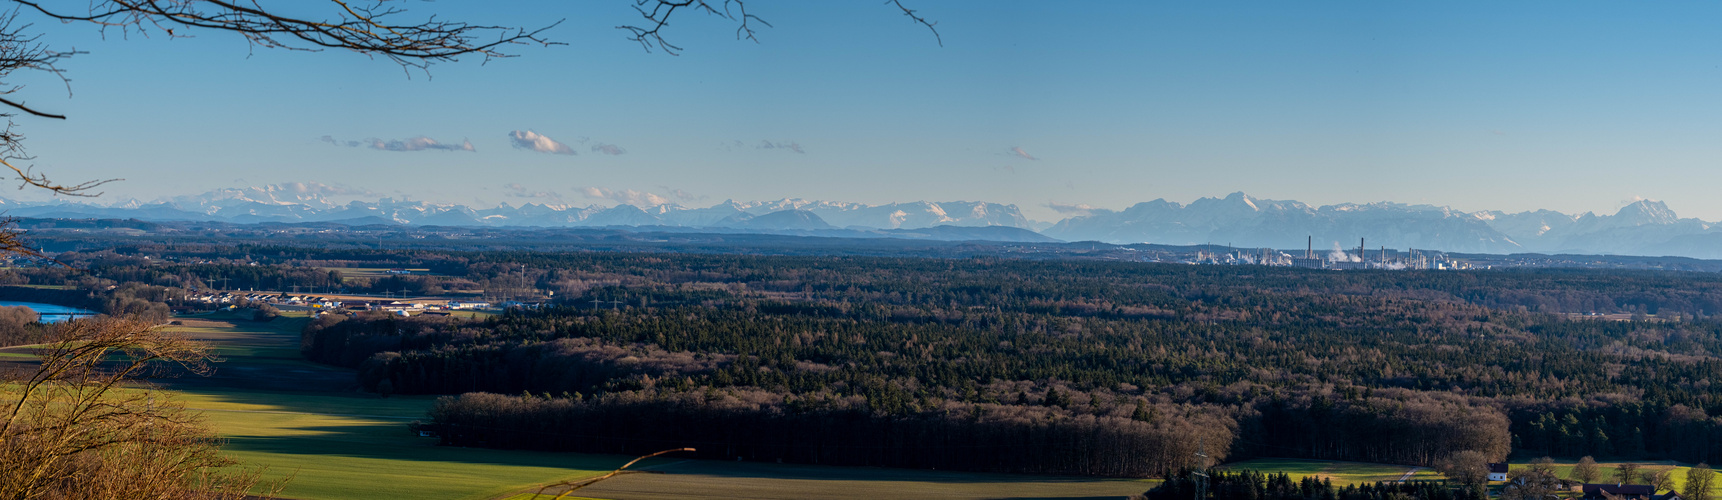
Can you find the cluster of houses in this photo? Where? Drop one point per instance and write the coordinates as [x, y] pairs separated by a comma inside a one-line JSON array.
[[230, 298], [1600, 491], [326, 304]]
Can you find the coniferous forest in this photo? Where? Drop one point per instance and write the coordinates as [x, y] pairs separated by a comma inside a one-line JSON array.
[[1053, 366], [1075, 367]]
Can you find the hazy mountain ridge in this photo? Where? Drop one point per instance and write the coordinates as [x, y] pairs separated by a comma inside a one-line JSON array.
[[312, 203], [1644, 227]]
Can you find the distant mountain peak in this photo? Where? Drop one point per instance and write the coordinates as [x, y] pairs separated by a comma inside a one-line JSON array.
[[1646, 212]]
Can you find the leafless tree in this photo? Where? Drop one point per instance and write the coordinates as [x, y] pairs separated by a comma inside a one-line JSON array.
[[1700, 483], [1626, 473], [1469, 468], [1531, 483], [377, 28], [368, 27], [1663, 479], [1586, 470], [69, 430], [657, 16]]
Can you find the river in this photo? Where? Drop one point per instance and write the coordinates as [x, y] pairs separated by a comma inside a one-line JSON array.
[[50, 313]]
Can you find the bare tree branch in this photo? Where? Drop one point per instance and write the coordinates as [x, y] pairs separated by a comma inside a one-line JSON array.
[[650, 34], [72, 432], [368, 27], [659, 17], [929, 24]]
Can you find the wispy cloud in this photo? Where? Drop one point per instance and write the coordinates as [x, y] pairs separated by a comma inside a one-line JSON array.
[[1071, 208], [527, 139], [625, 196], [792, 146], [1019, 153], [682, 195], [420, 143], [518, 190], [609, 149], [337, 142], [319, 189]]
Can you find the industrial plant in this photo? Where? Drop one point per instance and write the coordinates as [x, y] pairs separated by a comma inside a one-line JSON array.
[[1337, 258]]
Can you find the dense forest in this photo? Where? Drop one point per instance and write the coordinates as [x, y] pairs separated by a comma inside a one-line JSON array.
[[856, 279], [1141, 363], [1250, 485], [1056, 366]]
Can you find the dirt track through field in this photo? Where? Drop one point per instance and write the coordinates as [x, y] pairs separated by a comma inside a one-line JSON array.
[[1409, 473]]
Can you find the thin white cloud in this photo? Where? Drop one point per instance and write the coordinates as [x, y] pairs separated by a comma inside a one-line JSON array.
[[318, 188], [1072, 209], [518, 190], [609, 149], [420, 143], [1019, 153], [626, 196], [792, 146], [683, 195], [527, 139], [337, 142]]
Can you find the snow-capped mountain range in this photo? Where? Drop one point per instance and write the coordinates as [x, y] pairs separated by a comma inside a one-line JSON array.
[[1645, 227], [311, 203]]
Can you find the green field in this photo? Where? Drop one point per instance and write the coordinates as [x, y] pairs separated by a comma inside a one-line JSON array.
[[348, 446], [765, 481], [1563, 468], [1356, 473], [1341, 473]]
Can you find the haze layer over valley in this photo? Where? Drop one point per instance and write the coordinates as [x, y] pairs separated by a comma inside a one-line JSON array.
[[1644, 227]]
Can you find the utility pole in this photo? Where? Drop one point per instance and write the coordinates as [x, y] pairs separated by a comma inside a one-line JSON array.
[[1201, 469]]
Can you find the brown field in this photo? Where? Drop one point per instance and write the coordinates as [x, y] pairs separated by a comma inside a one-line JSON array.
[[718, 479]]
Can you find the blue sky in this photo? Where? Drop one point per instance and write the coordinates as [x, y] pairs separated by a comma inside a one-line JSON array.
[[1573, 106]]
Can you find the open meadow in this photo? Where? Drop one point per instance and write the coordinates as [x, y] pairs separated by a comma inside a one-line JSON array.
[[1342, 473], [1564, 469]]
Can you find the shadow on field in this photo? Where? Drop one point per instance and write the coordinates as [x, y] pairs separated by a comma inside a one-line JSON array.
[[721, 479], [283, 412], [256, 356], [843, 473]]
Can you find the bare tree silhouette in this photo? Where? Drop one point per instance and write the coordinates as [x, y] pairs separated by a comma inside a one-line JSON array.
[[657, 15], [378, 28]]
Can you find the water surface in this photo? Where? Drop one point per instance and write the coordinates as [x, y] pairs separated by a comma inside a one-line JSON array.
[[50, 313]]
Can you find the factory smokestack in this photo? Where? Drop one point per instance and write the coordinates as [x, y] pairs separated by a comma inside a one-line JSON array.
[[1309, 253]]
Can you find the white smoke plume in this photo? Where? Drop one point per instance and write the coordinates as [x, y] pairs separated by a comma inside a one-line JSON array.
[[1338, 255]]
